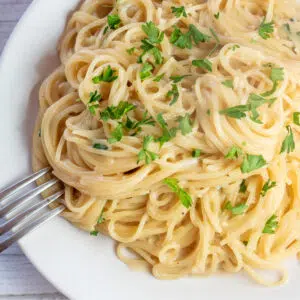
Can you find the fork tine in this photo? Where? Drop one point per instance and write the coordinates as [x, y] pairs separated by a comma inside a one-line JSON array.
[[8, 225], [16, 204], [11, 190], [5, 243]]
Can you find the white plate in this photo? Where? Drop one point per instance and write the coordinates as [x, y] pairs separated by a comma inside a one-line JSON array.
[[81, 266]]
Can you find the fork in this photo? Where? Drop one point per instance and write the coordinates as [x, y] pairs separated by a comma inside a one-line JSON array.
[[21, 216]]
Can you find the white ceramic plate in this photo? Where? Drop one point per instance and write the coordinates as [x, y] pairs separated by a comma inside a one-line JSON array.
[[80, 266]]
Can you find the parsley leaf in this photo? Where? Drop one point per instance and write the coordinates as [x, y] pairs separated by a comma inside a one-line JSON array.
[[288, 144], [93, 103], [94, 232], [168, 134], [158, 78], [267, 186], [243, 187], [153, 33], [296, 118], [137, 125], [215, 48], [185, 124], [196, 153], [234, 152], [252, 162], [117, 112], [277, 74], [271, 225], [228, 83], [177, 79], [100, 146], [234, 47], [106, 76], [114, 21], [145, 154], [146, 71], [203, 63], [179, 11], [197, 35], [217, 15], [130, 51], [236, 112], [117, 134], [236, 210], [174, 92], [265, 29], [101, 219], [184, 197]]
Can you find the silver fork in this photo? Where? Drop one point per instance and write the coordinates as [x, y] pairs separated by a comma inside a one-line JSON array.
[[20, 215]]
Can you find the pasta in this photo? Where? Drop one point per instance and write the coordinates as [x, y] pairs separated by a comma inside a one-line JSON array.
[[174, 127]]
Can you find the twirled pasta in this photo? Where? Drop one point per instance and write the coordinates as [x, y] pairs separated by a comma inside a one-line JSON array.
[[140, 211]]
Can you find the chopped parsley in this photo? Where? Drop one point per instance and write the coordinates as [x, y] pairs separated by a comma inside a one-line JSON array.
[[267, 186], [196, 153], [203, 63], [236, 210], [117, 134], [149, 45], [179, 11], [228, 83], [145, 154], [183, 196], [266, 29], [177, 79], [252, 162], [296, 118], [185, 124], [277, 75], [217, 15], [185, 40], [117, 112], [130, 51], [234, 47], [243, 187], [288, 144], [271, 225], [106, 76], [234, 152], [168, 134], [101, 219], [137, 125], [100, 146], [113, 21], [214, 34], [93, 103], [158, 78], [94, 232], [208, 112], [174, 94], [146, 71]]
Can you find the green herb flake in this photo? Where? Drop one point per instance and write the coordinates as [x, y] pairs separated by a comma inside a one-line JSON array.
[[179, 11], [99, 146], [94, 233], [234, 47], [101, 219], [185, 124], [184, 197], [116, 135], [266, 29], [93, 103], [217, 15], [236, 210], [234, 153], [296, 118], [208, 112], [243, 187], [196, 153], [177, 79], [252, 162], [288, 144], [277, 75], [267, 186], [174, 94], [145, 154], [117, 112], [168, 134], [158, 78], [114, 21], [137, 125], [130, 51], [146, 71], [203, 63], [106, 76], [271, 225], [228, 83]]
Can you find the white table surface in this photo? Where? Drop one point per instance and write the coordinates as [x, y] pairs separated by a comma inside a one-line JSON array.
[[19, 280]]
